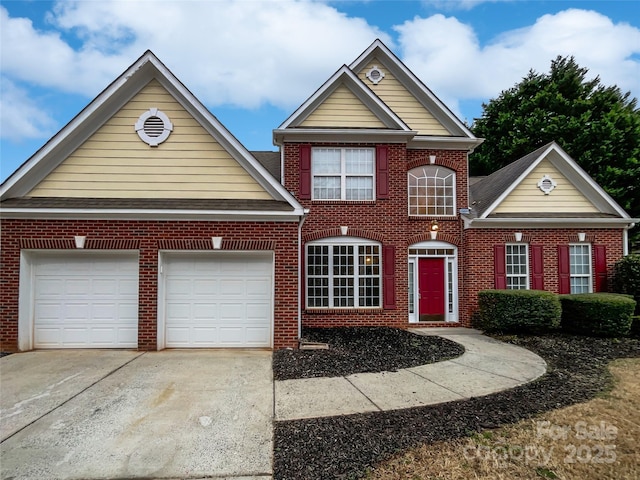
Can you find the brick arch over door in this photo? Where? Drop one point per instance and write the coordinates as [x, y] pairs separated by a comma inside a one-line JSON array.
[[442, 237]]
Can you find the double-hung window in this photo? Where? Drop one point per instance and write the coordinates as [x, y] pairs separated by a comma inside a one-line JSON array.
[[343, 274], [343, 173], [580, 267], [432, 191], [517, 266]]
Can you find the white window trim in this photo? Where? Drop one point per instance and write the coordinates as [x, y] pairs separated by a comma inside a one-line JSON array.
[[342, 241], [527, 273], [449, 259], [590, 263], [454, 193], [343, 175]]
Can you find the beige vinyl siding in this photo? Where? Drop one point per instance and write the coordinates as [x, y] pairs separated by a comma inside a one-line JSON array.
[[403, 103], [342, 109], [115, 163], [528, 198]]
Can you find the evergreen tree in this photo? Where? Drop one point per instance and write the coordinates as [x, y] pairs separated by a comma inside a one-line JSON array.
[[597, 125]]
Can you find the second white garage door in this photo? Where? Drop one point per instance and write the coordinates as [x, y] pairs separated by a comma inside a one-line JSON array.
[[218, 299]]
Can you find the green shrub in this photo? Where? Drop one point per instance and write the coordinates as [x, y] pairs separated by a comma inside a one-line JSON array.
[[626, 278], [518, 310], [599, 314]]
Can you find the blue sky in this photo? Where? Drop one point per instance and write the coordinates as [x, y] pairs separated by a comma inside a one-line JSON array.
[[253, 62]]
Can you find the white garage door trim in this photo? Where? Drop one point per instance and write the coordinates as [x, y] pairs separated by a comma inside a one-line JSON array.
[[88, 298], [258, 334]]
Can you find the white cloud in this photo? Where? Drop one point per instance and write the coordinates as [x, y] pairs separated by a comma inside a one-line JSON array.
[[20, 117], [447, 56], [227, 52]]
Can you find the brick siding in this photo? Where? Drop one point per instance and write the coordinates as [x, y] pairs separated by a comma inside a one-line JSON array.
[[148, 237]]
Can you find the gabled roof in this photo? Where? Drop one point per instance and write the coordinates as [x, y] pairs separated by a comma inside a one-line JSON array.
[[414, 85], [344, 76], [488, 193], [107, 103]]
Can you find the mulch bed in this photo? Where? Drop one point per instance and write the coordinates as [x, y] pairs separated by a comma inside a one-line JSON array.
[[346, 446], [361, 349]]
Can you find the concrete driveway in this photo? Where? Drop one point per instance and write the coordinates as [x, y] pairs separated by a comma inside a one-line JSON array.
[[96, 414]]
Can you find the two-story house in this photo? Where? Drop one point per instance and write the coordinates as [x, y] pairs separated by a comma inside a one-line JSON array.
[[145, 224]]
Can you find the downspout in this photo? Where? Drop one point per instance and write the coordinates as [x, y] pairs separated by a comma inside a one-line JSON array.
[[300, 272]]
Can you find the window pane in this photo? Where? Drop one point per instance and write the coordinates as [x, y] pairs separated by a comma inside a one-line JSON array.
[[431, 191], [516, 266], [359, 188], [358, 160], [326, 188], [326, 160]]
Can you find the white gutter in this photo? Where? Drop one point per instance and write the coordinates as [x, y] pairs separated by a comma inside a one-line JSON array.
[[599, 222], [300, 272]]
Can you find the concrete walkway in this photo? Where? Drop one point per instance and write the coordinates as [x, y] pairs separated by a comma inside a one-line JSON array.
[[486, 367]]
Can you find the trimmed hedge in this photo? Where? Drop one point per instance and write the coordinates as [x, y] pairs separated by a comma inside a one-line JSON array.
[[518, 310], [599, 314], [626, 277]]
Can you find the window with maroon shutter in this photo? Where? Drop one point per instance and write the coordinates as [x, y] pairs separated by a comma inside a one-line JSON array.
[[500, 268], [564, 269], [389, 276], [537, 268], [382, 174], [600, 260], [305, 172]]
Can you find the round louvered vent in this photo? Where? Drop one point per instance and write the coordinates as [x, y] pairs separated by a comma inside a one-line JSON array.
[[375, 75], [153, 127], [547, 184]]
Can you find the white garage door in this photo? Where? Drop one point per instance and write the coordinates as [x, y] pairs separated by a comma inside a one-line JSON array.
[[85, 300], [218, 299]]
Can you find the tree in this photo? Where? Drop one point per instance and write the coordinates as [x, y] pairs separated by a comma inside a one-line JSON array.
[[598, 126]]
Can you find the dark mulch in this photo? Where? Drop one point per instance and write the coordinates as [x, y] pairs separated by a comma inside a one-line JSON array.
[[361, 349], [4, 354], [345, 447]]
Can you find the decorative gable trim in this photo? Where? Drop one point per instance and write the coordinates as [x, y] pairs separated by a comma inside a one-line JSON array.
[[573, 173], [345, 77], [107, 103], [414, 85]]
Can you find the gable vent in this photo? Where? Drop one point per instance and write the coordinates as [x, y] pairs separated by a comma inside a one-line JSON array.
[[153, 127]]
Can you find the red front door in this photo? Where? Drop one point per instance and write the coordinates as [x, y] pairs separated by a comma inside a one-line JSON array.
[[431, 287]]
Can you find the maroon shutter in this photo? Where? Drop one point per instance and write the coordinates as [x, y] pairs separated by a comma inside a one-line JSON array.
[[382, 176], [305, 172], [500, 267], [389, 277], [564, 270], [600, 259], [537, 268]]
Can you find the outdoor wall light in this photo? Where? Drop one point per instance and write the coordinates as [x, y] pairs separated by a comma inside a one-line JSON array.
[[433, 229]]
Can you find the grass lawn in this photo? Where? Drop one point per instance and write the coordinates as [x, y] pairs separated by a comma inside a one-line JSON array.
[[597, 439]]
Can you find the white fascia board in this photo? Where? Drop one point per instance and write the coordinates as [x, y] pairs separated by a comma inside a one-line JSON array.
[[412, 83], [548, 222], [364, 94], [157, 214], [587, 186], [444, 143], [514, 184], [346, 135]]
